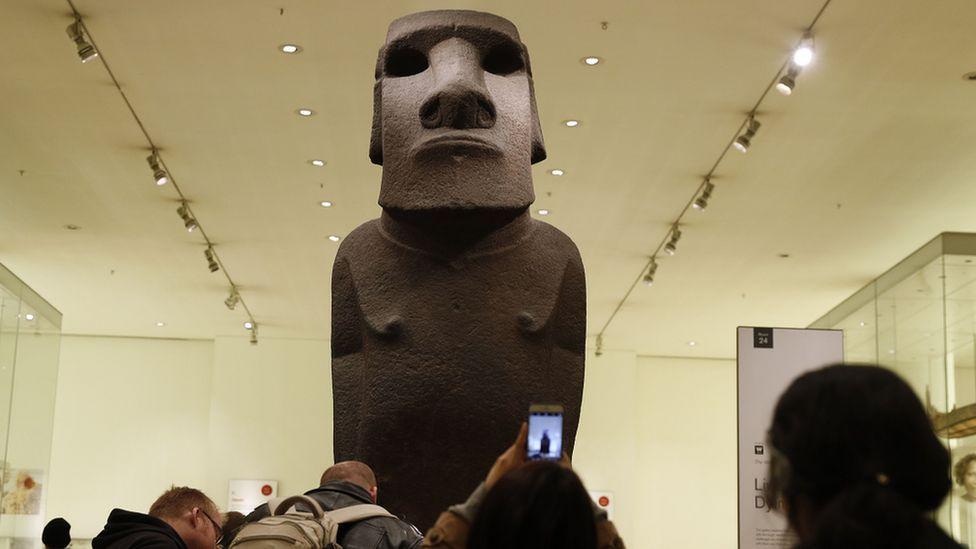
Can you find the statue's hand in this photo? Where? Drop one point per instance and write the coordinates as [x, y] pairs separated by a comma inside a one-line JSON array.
[[511, 459]]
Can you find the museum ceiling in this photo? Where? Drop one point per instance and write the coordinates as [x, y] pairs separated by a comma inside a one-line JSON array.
[[869, 158]]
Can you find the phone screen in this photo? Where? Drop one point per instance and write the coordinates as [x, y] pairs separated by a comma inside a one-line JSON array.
[[545, 432]]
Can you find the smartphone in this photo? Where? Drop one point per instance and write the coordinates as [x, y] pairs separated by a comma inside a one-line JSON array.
[[545, 432]]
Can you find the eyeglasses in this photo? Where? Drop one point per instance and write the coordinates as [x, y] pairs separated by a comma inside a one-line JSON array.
[[217, 529]]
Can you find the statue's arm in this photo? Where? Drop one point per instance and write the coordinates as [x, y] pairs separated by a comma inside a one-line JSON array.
[[569, 322], [347, 361]]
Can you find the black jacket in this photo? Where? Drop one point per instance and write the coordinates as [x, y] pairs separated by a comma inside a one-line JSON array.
[[371, 533], [129, 530]]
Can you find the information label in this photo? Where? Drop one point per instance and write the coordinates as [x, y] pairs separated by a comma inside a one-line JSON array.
[[769, 359], [245, 495]]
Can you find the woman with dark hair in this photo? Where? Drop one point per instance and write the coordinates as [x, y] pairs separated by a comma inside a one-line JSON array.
[[534, 505], [855, 463]]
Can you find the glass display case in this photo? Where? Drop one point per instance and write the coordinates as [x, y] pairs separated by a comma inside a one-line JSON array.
[[919, 319], [30, 340]]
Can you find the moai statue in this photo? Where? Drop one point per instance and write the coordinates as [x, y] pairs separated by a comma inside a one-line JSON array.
[[455, 310]]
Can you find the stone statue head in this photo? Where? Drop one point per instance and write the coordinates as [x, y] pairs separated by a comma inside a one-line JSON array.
[[455, 124]]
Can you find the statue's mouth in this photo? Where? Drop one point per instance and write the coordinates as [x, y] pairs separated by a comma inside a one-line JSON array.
[[457, 141]]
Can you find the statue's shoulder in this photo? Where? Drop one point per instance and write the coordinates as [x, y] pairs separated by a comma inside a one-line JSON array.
[[551, 238], [364, 237]]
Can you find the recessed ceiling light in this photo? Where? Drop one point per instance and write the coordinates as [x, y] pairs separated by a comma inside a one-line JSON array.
[[571, 123], [591, 61], [862, 323], [160, 324], [334, 237], [543, 212], [891, 351], [692, 343], [318, 163], [305, 112], [290, 48], [29, 316], [248, 325], [556, 172], [72, 227], [325, 204]]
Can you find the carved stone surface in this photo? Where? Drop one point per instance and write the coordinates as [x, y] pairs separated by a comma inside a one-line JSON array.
[[455, 310]]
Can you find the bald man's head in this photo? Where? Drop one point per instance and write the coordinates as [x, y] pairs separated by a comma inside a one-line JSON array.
[[355, 472]]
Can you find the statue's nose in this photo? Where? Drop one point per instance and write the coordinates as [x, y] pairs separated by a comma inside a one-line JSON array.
[[459, 98]]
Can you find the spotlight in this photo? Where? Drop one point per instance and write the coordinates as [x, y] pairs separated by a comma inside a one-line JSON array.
[[29, 316], [543, 211], [702, 201], [651, 270], [249, 324], [86, 52], [803, 54], [159, 174], [788, 81], [326, 203], [305, 112], [557, 172], [188, 221], [571, 123], [672, 246], [233, 299], [211, 262], [744, 141], [290, 48], [253, 327], [599, 344], [317, 163], [591, 61], [254, 337], [334, 237]]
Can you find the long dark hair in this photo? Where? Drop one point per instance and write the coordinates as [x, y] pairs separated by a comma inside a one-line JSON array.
[[539, 506], [854, 443]]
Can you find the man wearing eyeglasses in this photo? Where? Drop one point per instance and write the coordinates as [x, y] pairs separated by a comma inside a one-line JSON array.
[[181, 518]]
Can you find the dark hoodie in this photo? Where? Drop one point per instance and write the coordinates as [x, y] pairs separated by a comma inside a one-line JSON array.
[[129, 530]]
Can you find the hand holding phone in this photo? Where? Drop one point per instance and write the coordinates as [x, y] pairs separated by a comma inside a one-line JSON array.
[[545, 440]]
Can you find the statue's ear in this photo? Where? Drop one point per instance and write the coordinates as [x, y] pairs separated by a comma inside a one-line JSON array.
[[538, 145], [376, 135]]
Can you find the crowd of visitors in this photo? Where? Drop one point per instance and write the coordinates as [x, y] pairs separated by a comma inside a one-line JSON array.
[[854, 463]]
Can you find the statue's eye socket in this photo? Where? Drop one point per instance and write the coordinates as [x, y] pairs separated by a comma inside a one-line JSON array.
[[405, 62], [503, 59]]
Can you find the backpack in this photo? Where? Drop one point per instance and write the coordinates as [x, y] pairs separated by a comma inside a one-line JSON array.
[[289, 528]]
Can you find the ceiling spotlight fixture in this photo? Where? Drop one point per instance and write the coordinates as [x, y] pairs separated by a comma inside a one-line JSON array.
[[543, 211], [788, 81], [571, 123], [290, 48], [692, 343], [188, 221], [305, 112], [160, 324], [557, 172], [248, 324], [86, 52], [159, 174], [672, 246], [334, 237], [29, 316], [803, 54], [317, 163], [591, 61], [326, 203], [233, 299], [702, 201], [254, 337], [649, 275], [599, 344], [211, 261], [744, 141]]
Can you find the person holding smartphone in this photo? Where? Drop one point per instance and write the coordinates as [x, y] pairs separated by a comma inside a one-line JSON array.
[[526, 503]]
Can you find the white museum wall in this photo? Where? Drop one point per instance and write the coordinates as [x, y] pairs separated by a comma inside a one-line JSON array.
[[131, 419], [658, 433]]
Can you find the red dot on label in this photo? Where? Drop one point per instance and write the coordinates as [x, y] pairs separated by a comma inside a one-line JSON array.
[[266, 490], [604, 501]]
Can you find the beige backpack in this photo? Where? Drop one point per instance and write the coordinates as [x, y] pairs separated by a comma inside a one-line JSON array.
[[288, 528]]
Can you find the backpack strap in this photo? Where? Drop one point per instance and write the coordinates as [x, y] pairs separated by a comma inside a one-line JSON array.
[[279, 506], [355, 513]]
